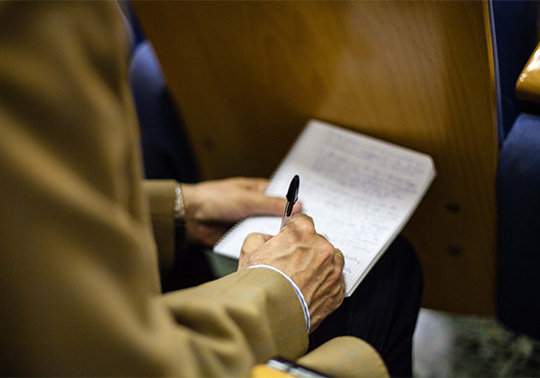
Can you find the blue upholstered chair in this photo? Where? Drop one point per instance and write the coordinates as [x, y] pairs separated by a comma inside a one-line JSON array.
[[166, 151], [514, 30], [518, 196]]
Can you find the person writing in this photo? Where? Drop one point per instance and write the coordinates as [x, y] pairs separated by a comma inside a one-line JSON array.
[[80, 283]]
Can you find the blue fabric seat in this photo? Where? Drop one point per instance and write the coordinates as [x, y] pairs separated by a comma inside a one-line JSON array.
[[518, 198], [514, 33], [166, 152]]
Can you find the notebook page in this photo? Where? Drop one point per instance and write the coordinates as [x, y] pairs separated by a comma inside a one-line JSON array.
[[360, 192]]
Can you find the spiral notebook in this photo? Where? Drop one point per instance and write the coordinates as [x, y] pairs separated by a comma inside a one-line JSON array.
[[360, 192]]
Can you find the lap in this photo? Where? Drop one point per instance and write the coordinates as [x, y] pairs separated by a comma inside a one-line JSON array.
[[383, 309]]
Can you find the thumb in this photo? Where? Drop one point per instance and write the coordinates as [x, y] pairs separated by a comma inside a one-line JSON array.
[[254, 241], [262, 204]]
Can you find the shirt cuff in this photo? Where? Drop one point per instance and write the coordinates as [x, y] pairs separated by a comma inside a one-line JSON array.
[[296, 289]]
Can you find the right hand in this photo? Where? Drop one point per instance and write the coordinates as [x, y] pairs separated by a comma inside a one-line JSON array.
[[307, 258]]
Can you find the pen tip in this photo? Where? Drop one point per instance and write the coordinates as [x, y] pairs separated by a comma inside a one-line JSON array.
[[292, 194]]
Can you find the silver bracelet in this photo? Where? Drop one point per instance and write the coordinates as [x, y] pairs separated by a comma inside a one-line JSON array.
[[179, 211]]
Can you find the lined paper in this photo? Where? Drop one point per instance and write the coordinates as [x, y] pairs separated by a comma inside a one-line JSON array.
[[360, 192]]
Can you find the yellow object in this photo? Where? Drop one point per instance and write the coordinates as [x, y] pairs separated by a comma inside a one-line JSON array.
[[528, 83], [264, 371]]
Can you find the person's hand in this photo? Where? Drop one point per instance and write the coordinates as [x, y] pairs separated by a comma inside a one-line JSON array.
[[213, 206], [310, 260]]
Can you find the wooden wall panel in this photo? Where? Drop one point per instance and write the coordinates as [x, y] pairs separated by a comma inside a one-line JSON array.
[[247, 75]]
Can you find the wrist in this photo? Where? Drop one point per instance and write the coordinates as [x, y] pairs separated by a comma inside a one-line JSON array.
[[180, 233], [297, 290], [179, 209]]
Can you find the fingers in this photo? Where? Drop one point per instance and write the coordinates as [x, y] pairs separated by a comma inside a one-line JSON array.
[[261, 204], [297, 207], [251, 244], [254, 241], [339, 259], [330, 293], [255, 184], [265, 205], [304, 222], [255, 201]]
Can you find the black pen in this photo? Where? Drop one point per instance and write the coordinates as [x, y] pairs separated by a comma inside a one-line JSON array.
[[292, 197]]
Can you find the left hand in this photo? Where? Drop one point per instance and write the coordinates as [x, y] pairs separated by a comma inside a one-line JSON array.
[[213, 206]]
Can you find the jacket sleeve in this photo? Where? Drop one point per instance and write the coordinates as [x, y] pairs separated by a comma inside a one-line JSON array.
[[161, 196], [78, 270], [346, 356]]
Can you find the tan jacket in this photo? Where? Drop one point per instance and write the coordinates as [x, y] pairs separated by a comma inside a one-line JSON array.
[[79, 281]]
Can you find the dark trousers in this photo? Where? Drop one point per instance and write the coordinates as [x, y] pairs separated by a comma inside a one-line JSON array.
[[382, 311]]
